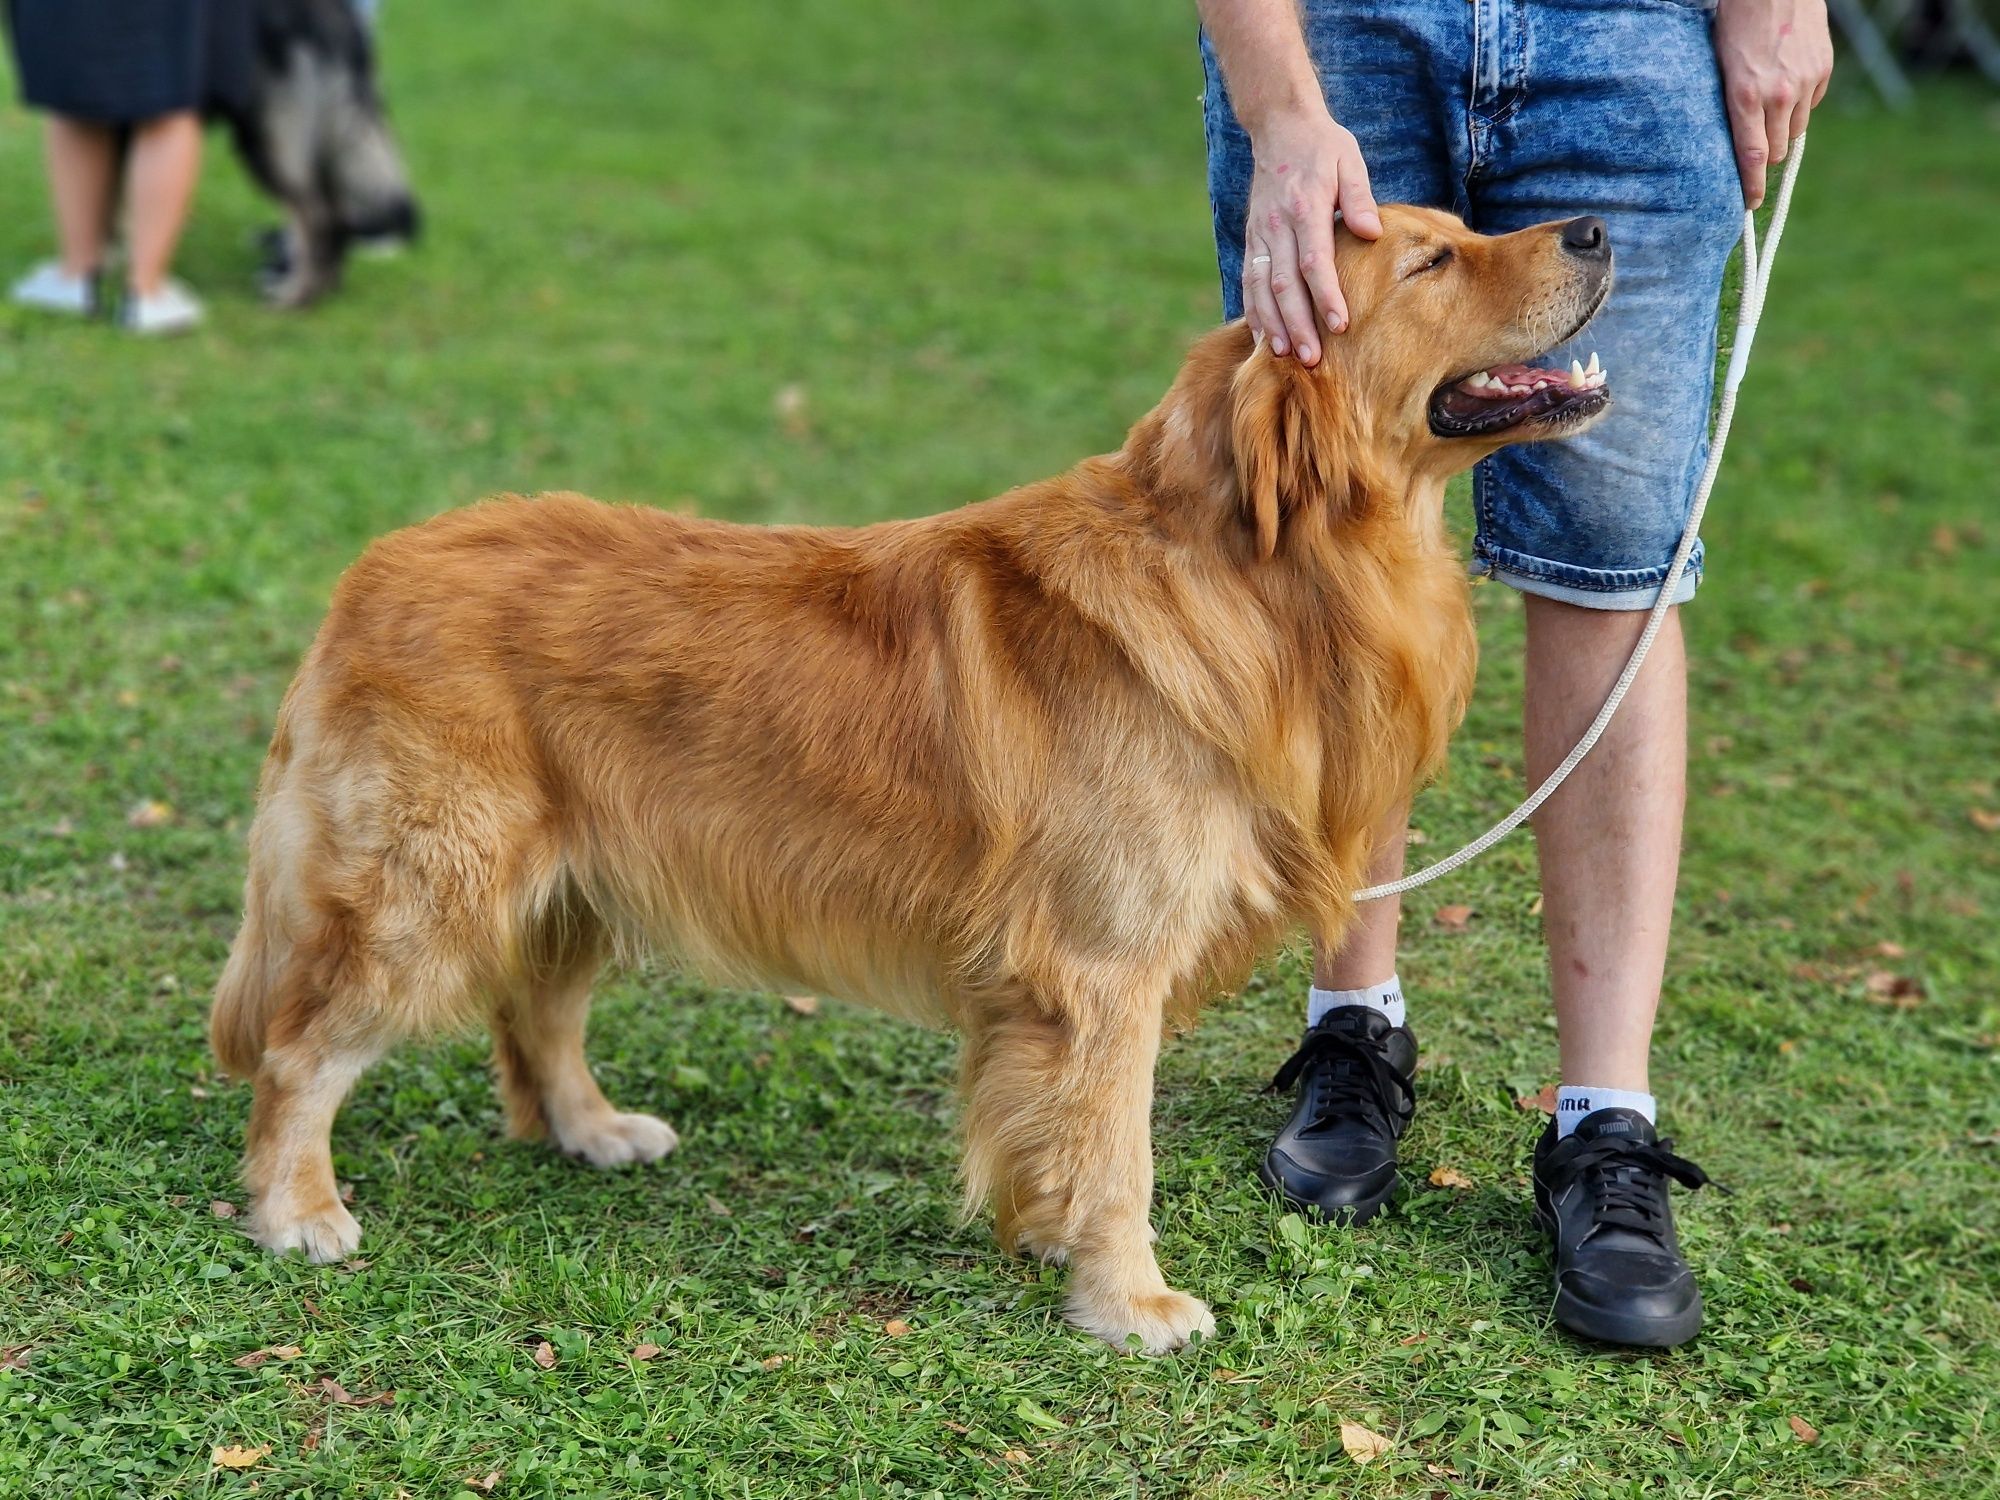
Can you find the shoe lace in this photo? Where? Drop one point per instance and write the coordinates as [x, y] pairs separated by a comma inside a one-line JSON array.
[[1353, 1079], [1626, 1180]]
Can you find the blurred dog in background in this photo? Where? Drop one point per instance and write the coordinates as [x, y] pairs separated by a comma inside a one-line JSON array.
[[315, 137]]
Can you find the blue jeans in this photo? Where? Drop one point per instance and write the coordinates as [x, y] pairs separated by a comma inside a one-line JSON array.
[[1509, 113]]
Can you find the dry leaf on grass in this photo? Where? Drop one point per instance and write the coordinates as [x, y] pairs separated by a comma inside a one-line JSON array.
[[15, 1356], [1803, 1430], [1362, 1445], [1450, 1177], [1453, 918], [335, 1392], [895, 1328], [1544, 1099], [1898, 990], [644, 1352], [485, 1483], [1886, 949], [1985, 819], [804, 1005], [717, 1207], [222, 1208], [1016, 1455], [776, 1360], [789, 406], [235, 1456], [150, 814], [257, 1357], [545, 1355]]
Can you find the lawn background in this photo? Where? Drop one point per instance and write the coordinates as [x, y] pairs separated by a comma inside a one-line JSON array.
[[820, 261]]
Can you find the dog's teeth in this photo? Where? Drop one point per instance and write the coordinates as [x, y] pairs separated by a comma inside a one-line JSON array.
[[1576, 379], [1592, 367]]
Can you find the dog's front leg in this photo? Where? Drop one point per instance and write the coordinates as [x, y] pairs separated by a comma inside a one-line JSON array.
[[1059, 1094]]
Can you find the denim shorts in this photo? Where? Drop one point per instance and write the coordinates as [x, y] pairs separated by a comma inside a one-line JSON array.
[[1509, 113]]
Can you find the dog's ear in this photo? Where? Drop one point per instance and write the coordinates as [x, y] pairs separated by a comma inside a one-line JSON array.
[[1292, 443]]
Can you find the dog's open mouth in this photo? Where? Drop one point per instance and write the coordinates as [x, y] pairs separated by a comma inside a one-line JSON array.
[[1490, 401]]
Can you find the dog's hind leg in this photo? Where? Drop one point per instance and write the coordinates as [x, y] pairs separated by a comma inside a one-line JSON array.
[[538, 1024], [1059, 1092], [321, 1038]]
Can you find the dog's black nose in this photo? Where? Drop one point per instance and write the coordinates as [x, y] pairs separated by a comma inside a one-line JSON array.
[[1586, 237]]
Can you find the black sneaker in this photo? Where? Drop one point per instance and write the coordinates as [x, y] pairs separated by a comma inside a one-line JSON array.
[[1336, 1156], [1601, 1193]]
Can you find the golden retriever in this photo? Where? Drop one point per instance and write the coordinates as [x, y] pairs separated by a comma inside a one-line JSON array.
[[1055, 768]]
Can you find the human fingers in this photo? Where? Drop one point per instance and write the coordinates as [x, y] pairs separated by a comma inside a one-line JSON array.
[[1260, 309], [1746, 126], [1288, 289], [1316, 266], [1357, 197]]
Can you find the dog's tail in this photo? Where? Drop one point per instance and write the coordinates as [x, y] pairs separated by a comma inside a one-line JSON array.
[[245, 997], [252, 987]]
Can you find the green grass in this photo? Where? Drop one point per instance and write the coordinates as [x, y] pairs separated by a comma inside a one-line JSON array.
[[974, 239]]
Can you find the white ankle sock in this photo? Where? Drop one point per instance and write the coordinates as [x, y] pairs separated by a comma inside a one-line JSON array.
[[1386, 997], [1575, 1100]]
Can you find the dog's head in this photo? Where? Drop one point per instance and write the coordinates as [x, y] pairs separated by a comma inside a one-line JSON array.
[[1447, 325], [1434, 372]]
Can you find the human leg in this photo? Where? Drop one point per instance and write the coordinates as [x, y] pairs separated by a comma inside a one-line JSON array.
[[1613, 110], [83, 173], [83, 167], [164, 164]]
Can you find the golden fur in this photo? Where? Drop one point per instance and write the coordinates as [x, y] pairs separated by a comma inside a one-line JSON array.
[[1055, 769]]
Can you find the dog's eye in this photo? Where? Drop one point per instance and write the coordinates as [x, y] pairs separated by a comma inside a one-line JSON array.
[[1442, 257]]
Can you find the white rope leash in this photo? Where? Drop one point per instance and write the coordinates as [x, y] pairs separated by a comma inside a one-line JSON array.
[[1749, 309]]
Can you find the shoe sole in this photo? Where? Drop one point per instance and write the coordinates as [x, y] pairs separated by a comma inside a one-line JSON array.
[[1350, 1214], [1606, 1327]]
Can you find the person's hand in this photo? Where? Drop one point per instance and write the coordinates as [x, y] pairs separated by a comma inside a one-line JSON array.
[[1307, 166], [1776, 58]]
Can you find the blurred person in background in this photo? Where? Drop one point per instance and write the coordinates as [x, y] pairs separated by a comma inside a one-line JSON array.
[[1648, 125], [124, 83]]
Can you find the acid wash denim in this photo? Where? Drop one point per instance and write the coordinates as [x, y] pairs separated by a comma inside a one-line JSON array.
[[1510, 113]]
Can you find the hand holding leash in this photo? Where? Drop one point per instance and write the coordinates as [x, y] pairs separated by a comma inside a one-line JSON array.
[[1776, 57]]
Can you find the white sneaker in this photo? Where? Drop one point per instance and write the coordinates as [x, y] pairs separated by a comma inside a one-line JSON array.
[[172, 309], [52, 289]]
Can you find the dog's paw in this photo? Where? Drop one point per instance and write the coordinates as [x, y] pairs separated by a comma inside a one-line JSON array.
[[615, 1140], [1031, 1248], [327, 1234], [1163, 1321]]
